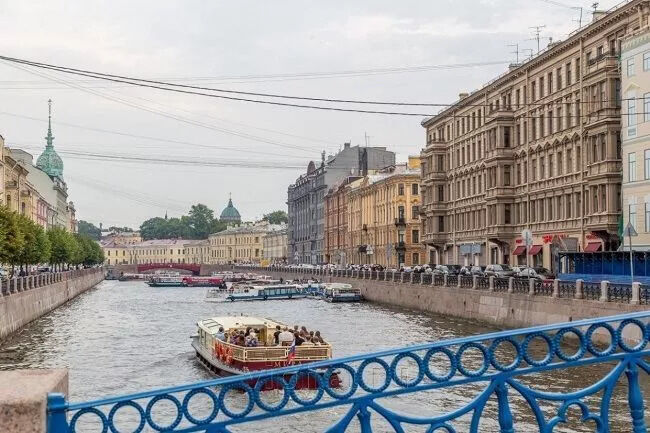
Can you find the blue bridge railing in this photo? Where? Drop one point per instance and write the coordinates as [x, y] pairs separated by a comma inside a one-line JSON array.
[[504, 370]]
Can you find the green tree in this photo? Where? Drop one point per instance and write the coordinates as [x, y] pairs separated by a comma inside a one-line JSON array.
[[11, 237], [44, 246], [89, 229], [277, 217], [200, 220], [63, 247], [30, 253], [120, 229], [153, 228]]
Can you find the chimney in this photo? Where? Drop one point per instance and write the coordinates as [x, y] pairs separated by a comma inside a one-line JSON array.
[[598, 15], [413, 162], [462, 96], [346, 145]]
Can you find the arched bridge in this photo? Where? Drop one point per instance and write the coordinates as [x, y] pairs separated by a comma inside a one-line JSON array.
[[194, 268]]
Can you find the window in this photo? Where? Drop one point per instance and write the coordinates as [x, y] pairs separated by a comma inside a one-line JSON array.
[[632, 215], [542, 168], [647, 217], [646, 107], [416, 236], [506, 175], [415, 188], [560, 169], [400, 189], [441, 162], [631, 109], [568, 74], [533, 170], [441, 224], [506, 215], [631, 167], [551, 173], [506, 136], [441, 193], [415, 211], [630, 67], [416, 258], [646, 61], [646, 164]]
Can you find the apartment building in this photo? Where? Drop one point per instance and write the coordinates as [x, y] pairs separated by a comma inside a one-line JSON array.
[[336, 220], [537, 148], [635, 70]]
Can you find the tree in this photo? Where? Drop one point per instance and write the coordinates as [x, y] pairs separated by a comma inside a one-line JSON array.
[[30, 252], [63, 246], [89, 229], [120, 229], [11, 237], [153, 228], [277, 217], [200, 220]]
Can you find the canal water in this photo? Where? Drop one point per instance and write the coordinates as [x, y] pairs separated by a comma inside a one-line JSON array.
[[123, 337]]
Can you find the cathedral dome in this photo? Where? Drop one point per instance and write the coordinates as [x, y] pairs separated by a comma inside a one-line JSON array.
[[230, 213], [49, 161]]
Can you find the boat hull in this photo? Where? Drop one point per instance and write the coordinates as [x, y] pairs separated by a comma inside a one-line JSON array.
[[344, 299], [223, 370]]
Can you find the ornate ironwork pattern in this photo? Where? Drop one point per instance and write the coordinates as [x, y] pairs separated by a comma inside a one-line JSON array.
[[452, 280], [567, 289], [426, 278], [500, 284], [397, 276], [466, 281], [619, 293], [544, 288], [644, 295], [591, 290], [496, 365], [520, 285], [438, 280], [483, 283]]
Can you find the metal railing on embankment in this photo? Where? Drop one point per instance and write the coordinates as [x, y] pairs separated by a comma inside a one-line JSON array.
[[604, 291], [499, 368], [11, 286]]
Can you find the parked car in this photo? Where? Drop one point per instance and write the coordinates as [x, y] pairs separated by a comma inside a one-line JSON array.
[[446, 269], [539, 273], [500, 271], [479, 271]]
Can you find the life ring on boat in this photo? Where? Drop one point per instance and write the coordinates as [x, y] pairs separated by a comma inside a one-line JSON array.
[[229, 356]]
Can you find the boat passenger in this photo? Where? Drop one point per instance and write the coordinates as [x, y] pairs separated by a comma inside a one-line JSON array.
[[241, 340], [220, 335], [303, 332], [286, 337], [319, 338], [251, 341], [248, 331], [276, 335], [298, 339], [308, 342]]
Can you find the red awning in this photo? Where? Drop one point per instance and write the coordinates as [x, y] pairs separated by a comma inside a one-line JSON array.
[[534, 250], [592, 247], [521, 249]]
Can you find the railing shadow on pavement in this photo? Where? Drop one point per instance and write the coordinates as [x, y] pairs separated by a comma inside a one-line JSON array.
[[498, 365]]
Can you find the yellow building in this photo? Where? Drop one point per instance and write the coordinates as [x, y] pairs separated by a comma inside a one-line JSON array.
[[125, 238], [152, 251], [116, 254], [197, 251], [383, 217], [239, 244]]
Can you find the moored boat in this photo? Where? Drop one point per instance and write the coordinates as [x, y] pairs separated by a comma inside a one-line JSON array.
[[226, 359], [165, 282], [341, 292], [263, 293], [204, 282]]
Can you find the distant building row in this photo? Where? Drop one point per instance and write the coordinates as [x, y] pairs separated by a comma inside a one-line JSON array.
[[36, 191], [247, 243]]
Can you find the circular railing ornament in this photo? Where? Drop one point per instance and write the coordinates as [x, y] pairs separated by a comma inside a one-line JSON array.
[[213, 413]]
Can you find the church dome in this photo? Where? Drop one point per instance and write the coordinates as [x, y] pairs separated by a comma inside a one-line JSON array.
[[230, 213], [49, 161]]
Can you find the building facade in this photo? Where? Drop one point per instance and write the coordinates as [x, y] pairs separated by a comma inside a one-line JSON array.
[[275, 245], [124, 238], [337, 238], [538, 148], [197, 251], [239, 244], [306, 197], [384, 217], [635, 69], [146, 252]]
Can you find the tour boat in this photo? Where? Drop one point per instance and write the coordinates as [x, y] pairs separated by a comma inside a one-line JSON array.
[[341, 292], [226, 359], [263, 293], [204, 282], [165, 282]]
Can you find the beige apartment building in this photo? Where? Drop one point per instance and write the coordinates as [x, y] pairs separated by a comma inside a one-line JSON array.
[[635, 69], [384, 217], [239, 244], [337, 238], [274, 245], [197, 251], [537, 148], [145, 252]]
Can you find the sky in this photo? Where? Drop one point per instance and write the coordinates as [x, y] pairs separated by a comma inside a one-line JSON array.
[[291, 47]]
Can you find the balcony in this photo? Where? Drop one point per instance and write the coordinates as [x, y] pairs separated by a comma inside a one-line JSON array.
[[11, 184], [364, 227], [600, 64], [400, 246], [500, 231], [436, 238], [401, 221]]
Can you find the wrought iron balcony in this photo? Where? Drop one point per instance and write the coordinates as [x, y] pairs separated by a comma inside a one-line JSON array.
[[506, 369], [401, 221], [400, 246]]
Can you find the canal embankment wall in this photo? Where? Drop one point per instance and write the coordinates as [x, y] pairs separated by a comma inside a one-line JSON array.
[[499, 306], [24, 299]]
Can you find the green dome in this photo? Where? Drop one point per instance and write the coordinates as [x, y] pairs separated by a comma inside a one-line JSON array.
[[230, 213], [49, 161]]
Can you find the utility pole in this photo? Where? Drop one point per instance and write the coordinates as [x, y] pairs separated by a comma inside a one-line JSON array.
[[537, 32], [516, 51], [579, 20]]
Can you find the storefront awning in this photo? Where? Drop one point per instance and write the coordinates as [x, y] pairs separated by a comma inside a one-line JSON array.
[[534, 250], [592, 247], [521, 249]]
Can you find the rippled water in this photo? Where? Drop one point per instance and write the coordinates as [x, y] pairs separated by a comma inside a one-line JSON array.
[[123, 337]]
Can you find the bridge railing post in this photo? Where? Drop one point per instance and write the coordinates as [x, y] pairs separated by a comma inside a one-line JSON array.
[[556, 288], [458, 281], [531, 287], [444, 280], [491, 286], [474, 282], [604, 291], [636, 294], [511, 284]]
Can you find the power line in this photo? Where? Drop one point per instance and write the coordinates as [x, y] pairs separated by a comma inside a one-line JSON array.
[[190, 92]]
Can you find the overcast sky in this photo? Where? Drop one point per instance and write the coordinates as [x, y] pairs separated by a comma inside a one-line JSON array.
[[240, 45]]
